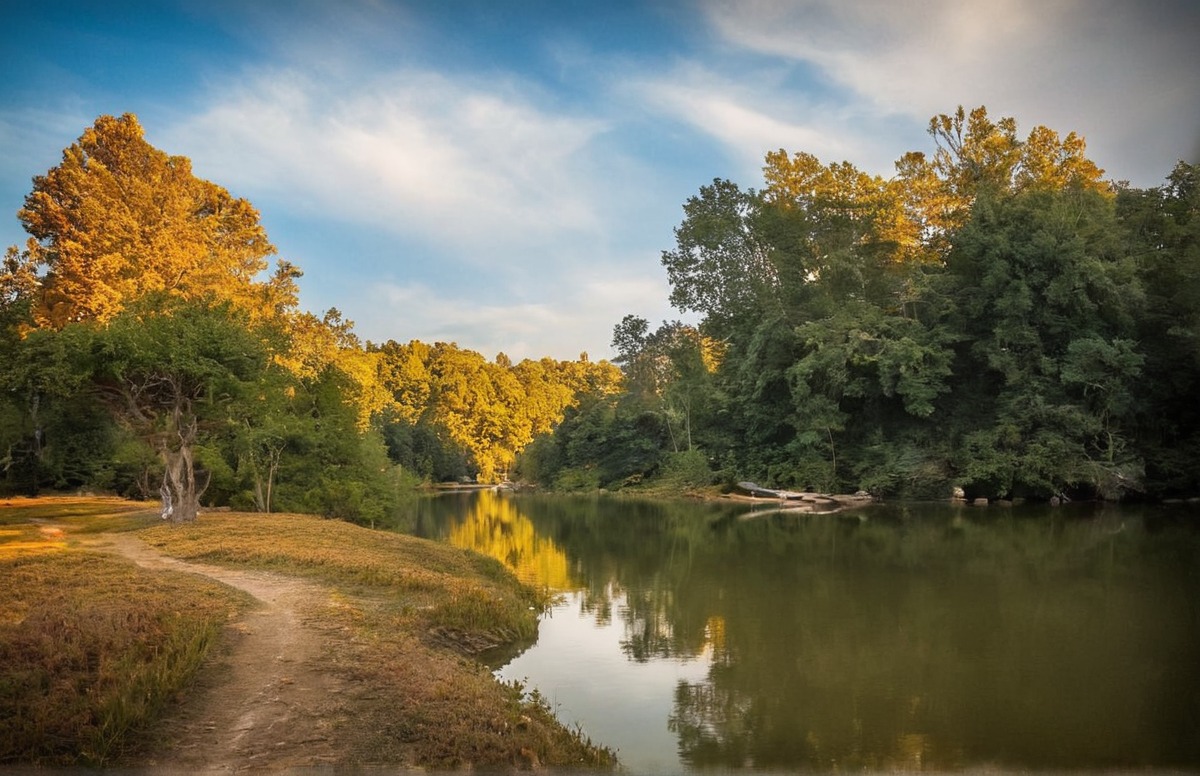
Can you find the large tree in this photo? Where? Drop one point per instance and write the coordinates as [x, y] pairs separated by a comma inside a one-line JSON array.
[[1163, 232], [1045, 304], [173, 374], [118, 219]]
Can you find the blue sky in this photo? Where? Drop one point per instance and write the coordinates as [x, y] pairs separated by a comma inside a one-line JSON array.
[[505, 175]]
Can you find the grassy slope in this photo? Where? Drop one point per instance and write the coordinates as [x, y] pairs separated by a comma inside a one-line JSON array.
[[411, 608], [91, 647]]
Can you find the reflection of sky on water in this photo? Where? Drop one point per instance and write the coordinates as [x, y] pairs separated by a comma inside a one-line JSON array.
[[579, 666]]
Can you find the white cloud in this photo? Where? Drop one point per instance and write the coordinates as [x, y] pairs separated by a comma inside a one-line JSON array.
[[1121, 74], [576, 314], [756, 113], [902, 56], [470, 167]]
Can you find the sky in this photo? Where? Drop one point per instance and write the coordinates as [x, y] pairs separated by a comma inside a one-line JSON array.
[[506, 175]]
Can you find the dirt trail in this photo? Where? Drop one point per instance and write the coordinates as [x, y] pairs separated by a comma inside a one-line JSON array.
[[271, 701]]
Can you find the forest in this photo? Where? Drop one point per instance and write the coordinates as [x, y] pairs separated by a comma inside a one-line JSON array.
[[997, 317], [151, 351]]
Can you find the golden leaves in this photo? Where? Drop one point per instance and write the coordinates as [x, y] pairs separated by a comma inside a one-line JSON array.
[[118, 219], [932, 195]]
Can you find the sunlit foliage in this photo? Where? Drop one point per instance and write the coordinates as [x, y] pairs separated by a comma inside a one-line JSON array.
[[996, 317], [454, 398], [118, 219]]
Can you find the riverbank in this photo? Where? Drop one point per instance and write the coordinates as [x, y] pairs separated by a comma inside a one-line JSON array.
[[268, 641]]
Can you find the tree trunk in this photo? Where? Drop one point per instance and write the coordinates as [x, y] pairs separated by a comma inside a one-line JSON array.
[[181, 497]]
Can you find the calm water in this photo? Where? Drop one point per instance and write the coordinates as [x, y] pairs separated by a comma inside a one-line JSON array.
[[692, 637]]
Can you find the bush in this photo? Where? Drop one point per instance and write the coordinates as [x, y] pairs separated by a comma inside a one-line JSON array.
[[687, 469], [577, 478]]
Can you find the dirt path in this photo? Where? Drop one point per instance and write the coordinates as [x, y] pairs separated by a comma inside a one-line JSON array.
[[268, 703]]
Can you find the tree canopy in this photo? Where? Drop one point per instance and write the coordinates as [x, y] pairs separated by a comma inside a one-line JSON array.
[[995, 317], [147, 352], [118, 219]]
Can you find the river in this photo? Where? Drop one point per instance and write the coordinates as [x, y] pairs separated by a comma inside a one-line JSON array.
[[704, 636]]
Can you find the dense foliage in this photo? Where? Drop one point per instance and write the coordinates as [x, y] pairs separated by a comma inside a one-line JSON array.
[[145, 354], [996, 318]]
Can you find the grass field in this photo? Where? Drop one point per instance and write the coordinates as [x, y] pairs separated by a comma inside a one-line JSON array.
[[92, 647]]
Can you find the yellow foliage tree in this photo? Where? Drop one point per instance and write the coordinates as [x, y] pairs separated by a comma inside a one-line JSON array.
[[319, 344], [842, 192], [404, 370], [491, 409], [931, 196], [975, 153], [118, 219]]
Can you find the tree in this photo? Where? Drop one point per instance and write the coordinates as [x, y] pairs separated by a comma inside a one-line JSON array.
[[42, 378], [118, 219], [720, 266], [1045, 302], [171, 373], [975, 154], [670, 371], [317, 345], [1162, 228]]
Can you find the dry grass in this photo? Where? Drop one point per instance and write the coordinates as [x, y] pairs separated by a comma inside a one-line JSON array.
[[91, 646], [445, 587], [416, 608], [433, 708], [81, 514]]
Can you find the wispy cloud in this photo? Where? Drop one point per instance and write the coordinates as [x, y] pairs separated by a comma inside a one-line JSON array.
[[574, 314], [1122, 74], [754, 112], [411, 152]]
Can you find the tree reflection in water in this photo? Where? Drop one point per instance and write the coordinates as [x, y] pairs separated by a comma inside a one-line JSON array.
[[924, 637]]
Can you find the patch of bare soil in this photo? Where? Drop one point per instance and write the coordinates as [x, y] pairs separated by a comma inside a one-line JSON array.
[[271, 700]]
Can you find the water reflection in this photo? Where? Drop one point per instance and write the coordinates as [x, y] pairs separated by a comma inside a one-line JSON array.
[[494, 526], [921, 638]]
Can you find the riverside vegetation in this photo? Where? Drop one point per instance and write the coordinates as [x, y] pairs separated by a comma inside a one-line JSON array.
[[997, 317], [96, 651]]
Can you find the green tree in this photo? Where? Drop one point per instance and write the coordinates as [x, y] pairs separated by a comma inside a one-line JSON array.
[[47, 435], [1045, 301], [721, 267], [1162, 228], [171, 373]]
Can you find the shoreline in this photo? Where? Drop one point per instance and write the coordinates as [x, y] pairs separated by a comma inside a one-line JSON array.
[[391, 624]]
